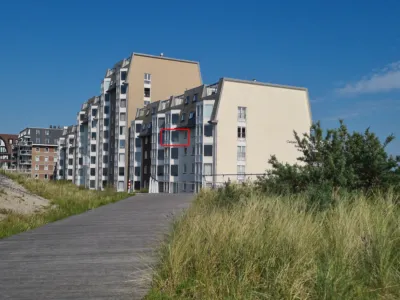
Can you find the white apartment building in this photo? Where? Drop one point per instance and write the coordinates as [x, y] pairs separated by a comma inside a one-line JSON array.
[[66, 152], [234, 126]]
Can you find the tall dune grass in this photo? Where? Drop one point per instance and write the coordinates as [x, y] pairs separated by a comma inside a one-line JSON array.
[[66, 199], [278, 248]]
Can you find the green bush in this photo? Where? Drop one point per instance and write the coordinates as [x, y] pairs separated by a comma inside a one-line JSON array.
[[334, 161]]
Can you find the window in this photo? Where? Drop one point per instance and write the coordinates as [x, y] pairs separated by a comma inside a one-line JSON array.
[[106, 109], [208, 130], [47, 141], [37, 149], [208, 150], [47, 132], [183, 117], [241, 172], [184, 169], [92, 184], [145, 170], [69, 172], [107, 98], [46, 176], [46, 158], [192, 168], [105, 159], [106, 122], [191, 115], [122, 143], [56, 141], [145, 154], [122, 117], [146, 102], [241, 113], [37, 140], [122, 130], [153, 110], [121, 171], [174, 153], [46, 167], [138, 142], [160, 154], [160, 170], [147, 92], [175, 118], [241, 132], [207, 110], [208, 169], [123, 75], [94, 135], [122, 157], [241, 152], [93, 159], [149, 125], [37, 131], [93, 148], [138, 127], [146, 140], [123, 89], [137, 171], [195, 97], [185, 151], [187, 99], [36, 167], [174, 170], [193, 150], [37, 158], [80, 161], [123, 102], [147, 78], [105, 147]]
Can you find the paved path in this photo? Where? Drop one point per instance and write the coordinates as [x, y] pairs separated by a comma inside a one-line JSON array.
[[101, 254]]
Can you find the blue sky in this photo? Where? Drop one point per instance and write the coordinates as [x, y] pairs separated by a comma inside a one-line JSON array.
[[53, 54]]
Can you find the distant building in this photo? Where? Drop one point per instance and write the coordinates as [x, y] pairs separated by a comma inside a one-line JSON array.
[[7, 142], [231, 129], [36, 151], [66, 152]]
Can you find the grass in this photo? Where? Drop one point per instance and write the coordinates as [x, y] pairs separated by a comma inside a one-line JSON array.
[[66, 200], [264, 247]]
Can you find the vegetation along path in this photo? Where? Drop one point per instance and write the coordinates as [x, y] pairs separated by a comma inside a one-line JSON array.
[[102, 254]]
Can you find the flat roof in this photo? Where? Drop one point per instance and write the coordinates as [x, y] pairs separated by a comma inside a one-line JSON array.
[[264, 84], [165, 57]]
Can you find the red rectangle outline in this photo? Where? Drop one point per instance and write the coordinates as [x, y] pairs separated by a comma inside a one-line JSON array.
[[175, 145]]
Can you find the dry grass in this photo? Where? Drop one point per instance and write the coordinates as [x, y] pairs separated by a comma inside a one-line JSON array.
[[276, 248], [66, 198]]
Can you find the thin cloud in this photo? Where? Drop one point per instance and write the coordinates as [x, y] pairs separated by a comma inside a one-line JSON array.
[[384, 80]]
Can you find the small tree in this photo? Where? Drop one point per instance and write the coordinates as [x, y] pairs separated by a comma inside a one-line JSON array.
[[336, 159]]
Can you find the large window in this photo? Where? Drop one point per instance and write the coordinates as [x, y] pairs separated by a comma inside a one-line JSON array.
[[241, 132], [241, 113], [106, 109], [160, 170], [208, 130], [241, 152], [175, 118], [207, 169], [208, 150], [106, 122], [121, 171], [93, 160], [92, 172], [123, 89], [207, 110], [147, 92], [174, 170], [174, 153], [123, 75], [147, 78]]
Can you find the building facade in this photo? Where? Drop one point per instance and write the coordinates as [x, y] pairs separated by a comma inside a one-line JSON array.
[[66, 152], [103, 122], [213, 134], [7, 143], [36, 151]]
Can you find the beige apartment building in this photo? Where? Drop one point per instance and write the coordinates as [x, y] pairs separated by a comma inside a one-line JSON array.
[[231, 127]]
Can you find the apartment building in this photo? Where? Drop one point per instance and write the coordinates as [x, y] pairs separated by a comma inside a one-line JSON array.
[[103, 122], [66, 152], [215, 133], [36, 151], [7, 142]]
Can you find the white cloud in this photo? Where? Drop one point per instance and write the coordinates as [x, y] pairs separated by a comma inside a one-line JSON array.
[[383, 80]]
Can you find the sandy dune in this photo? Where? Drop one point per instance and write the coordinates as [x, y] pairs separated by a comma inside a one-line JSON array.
[[15, 198]]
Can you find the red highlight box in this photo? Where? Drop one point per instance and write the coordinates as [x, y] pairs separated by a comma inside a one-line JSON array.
[[174, 129]]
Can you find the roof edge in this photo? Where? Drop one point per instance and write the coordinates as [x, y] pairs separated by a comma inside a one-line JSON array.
[[165, 57], [265, 84]]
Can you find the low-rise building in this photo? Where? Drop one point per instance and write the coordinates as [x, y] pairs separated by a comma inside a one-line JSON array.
[[36, 151], [7, 143]]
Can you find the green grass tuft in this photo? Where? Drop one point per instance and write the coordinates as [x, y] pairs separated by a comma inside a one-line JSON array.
[[270, 247]]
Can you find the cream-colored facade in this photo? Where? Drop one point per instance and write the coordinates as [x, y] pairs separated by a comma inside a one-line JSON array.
[[273, 112]]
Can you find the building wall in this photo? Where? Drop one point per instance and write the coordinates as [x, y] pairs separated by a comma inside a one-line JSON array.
[[42, 157], [272, 115]]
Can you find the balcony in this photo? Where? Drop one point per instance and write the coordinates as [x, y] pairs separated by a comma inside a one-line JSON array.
[[25, 162]]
